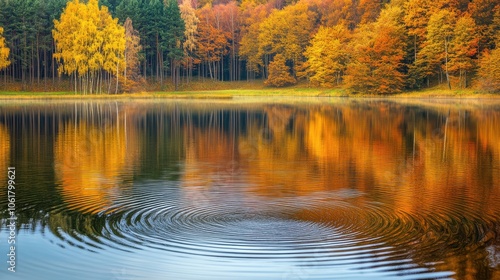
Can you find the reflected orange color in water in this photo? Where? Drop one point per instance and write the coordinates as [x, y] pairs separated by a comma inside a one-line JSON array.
[[428, 172], [4, 154], [398, 187], [202, 147], [92, 161], [329, 146]]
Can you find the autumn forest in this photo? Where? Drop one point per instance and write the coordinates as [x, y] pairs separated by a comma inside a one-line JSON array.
[[362, 46]]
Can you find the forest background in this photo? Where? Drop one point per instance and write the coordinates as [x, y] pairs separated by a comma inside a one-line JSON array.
[[362, 46]]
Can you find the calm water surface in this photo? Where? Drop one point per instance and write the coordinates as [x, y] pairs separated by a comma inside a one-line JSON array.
[[248, 189]]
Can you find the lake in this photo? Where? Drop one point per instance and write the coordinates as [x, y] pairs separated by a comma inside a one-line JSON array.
[[249, 188]]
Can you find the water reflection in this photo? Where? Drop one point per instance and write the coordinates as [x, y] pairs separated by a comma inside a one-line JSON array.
[[4, 155], [392, 189], [92, 160]]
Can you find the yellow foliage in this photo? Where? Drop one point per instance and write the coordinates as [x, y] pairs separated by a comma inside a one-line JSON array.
[[88, 40], [252, 15], [188, 15], [287, 32], [327, 56], [4, 51]]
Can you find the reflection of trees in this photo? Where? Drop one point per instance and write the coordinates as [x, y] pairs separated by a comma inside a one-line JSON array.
[[370, 147], [349, 140], [211, 151], [279, 160], [451, 172], [161, 144], [92, 160], [436, 170], [30, 131], [4, 154], [204, 147]]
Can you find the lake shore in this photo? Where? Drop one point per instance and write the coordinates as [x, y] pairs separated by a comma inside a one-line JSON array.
[[435, 92]]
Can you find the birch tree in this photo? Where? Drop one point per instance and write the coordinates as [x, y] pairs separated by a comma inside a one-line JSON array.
[[90, 46]]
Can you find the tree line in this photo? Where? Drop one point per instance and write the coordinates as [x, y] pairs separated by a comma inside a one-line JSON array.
[[371, 46]]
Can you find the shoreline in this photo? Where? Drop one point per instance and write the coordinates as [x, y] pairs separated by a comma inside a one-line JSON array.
[[435, 93]]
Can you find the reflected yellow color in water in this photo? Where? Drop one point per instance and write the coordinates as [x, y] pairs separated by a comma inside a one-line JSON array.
[[91, 163], [4, 153]]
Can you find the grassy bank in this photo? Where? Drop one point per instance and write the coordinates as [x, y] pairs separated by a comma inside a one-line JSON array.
[[227, 90]]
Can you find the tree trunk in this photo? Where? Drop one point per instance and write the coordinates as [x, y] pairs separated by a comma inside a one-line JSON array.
[[415, 46], [37, 60], [465, 78], [210, 71], [117, 75], [446, 63]]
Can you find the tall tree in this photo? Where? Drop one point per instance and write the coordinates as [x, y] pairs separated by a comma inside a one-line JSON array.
[[377, 53], [189, 45], [252, 15], [495, 26], [489, 71], [416, 18], [334, 12], [287, 32], [173, 39], [88, 41], [463, 48], [18, 19], [436, 52], [131, 75], [483, 12], [4, 51], [230, 23], [212, 42], [369, 10], [130, 9], [327, 56]]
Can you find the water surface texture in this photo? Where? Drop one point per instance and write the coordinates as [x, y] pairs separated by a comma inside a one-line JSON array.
[[248, 189]]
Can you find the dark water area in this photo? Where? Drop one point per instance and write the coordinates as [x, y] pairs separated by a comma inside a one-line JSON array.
[[252, 189]]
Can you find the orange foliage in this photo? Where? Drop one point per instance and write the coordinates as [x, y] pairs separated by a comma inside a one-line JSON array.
[[279, 73], [489, 71], [212, 39], [377, 55], [372, 148]]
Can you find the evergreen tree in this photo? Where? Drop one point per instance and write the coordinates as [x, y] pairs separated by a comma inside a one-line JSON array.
[[129, 9], [173, 39]]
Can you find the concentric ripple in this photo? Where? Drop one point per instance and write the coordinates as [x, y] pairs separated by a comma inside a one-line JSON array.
[[324, 230]]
